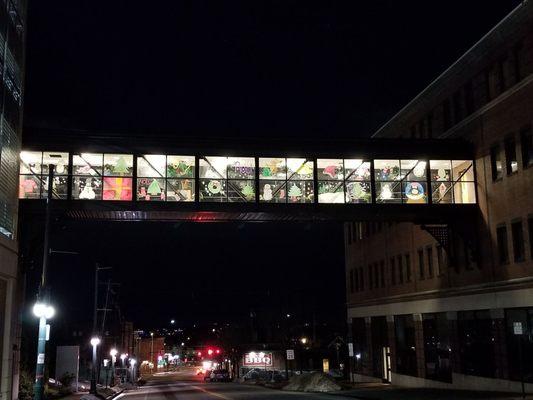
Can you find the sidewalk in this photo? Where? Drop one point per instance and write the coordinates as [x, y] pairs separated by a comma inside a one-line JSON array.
[[388, 392]]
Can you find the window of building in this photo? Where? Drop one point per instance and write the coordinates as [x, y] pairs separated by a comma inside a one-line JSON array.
[[526, 143], [400, 269], [518, 56], [452, 181], [360, 344], [421, 267], [118, 181], [514, 347], [501, 239], [357, 181], [87, 181], [518, 241], [441, 260], [356, 279], [370, 276], [405, 345], [408, 268], [180, 173], [501, 74], [227, 179], [392, 272], [330, 174], [530, 229], [33, 179], [352, 283], [457, 106], [437, 348], [400, 181], [429, 124], [476, 343], [362, 278], [286, 180], [511, 162], [151, 174], [496, 163], [382, 272], [429, 254], [469, 97]]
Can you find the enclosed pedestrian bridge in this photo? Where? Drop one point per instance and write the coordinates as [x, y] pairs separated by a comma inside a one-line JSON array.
[[220, 180]]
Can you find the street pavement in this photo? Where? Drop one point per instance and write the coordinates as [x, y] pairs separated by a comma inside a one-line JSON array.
[[185, 385]]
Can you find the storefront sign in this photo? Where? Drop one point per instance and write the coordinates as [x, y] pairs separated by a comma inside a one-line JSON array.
[[517, 328], [290, 354], [350, 349], [257, 359]]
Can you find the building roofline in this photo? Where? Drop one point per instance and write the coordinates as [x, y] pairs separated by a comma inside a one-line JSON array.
[[450, 68]]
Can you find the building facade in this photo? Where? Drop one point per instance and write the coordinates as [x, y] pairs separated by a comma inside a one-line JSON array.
[[452, 305], [12, 19]]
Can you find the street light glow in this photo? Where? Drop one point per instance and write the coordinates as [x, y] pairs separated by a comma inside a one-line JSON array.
[[43, 310], [123, 357], [113, 352], [133, 361], [95, 341], [172, 321], [303, 340]]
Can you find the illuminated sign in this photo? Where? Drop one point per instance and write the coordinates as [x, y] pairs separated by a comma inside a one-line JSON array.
[[258, 359]]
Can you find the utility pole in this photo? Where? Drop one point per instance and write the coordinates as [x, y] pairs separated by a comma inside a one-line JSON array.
[[95, 332], [43, 297]]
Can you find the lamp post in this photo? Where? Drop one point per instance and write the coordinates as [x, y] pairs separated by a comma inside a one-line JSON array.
[[42, 311], [152, 350], [95, 341], [113, 353]]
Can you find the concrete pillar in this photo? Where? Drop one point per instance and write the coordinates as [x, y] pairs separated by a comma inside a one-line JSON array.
[[500, 344], [419, 346], [391, 335]]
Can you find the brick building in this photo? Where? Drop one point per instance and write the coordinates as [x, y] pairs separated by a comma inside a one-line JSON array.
[[439, 306]]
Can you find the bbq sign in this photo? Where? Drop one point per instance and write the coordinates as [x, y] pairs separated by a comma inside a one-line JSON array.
[[258, 359]]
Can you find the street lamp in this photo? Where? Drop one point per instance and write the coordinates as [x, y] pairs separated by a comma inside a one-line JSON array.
[[152, 349], [42, 311], [95, 341], [303, 340], [113, 353], [172, 322], [132, 363]]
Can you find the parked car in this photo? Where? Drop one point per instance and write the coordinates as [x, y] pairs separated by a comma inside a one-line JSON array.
[[217, 375]]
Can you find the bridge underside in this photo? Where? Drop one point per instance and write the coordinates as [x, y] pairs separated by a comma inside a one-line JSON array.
[[134, 211]]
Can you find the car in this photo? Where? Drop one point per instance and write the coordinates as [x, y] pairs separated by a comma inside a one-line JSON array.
[[217, 375]]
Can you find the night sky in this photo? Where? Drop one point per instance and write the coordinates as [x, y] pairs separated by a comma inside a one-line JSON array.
[[228, 68]]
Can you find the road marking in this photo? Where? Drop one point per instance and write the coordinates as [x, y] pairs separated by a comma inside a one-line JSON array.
[[220, 396]]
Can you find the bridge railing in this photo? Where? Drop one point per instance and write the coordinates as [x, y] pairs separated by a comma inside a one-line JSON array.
[[199, 178]]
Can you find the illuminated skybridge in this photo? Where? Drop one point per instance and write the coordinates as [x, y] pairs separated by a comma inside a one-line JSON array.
[[394, 181]]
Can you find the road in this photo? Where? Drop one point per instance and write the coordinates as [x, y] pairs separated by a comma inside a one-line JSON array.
[[185, 385]]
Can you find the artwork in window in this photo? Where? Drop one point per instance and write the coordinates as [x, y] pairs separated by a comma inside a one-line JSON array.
[[330, 192], [358, 192], [387, 170], [151, 166], [117, 188], [180, 190], [241, 168], [87, 188], [273, 191], [414, 192], [299, 169], [151, 189], [440, 170], [300, 191], [272, 168], [388, 192], [30, 162], [118, 165], [180, 166], [87, 164], [413, 170], [330, 169], [29, 187], [241, 190], [441, 192], [213, 190]]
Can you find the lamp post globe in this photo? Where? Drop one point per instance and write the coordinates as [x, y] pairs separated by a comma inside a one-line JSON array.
[[113, 353], [42, 311]]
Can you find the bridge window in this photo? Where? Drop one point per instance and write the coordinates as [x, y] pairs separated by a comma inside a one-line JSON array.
[[87, 169], [400, 181], [151, 185], [224, 179], [33, 180], [286, 180], [330, 174], [180, 178], [452, 181], [357, 181], [118, 169]]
